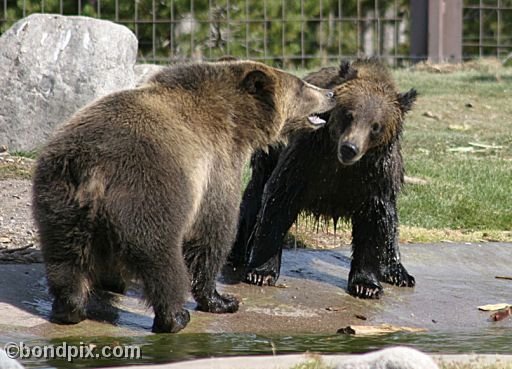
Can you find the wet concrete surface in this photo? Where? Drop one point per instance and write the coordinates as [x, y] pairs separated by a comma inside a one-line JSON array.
[[452, 281]]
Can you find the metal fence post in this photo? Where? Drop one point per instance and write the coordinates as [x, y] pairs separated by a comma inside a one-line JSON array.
[[419, 30]]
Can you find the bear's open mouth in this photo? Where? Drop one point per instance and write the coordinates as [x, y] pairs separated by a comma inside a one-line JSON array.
[[315, 119]]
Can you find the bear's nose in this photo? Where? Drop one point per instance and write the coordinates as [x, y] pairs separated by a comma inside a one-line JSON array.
[[348, 151]]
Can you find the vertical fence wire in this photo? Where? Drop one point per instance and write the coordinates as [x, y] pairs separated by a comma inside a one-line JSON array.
[[339, 23], [265, 30], [247, 30], [359, 32], [498, 32], [153, 29], [212, 32], [480, 29], [302, 54], [191, 33], [396, 35], [171, 33], [320, 30], [283, 32], [136, 19]]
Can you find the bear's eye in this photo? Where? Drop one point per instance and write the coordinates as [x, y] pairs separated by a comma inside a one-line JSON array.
[[375, 128]]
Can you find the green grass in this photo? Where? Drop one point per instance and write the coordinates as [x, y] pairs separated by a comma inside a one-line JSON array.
[[31, 154], [469, 186], [12, 171], [462, 193]]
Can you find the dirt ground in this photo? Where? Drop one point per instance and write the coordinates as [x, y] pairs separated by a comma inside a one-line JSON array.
[[17, 229]]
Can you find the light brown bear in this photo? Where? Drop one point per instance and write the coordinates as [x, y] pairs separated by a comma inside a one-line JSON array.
[[148, 181]]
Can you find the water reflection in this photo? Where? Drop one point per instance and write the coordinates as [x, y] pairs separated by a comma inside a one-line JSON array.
[[172, 348]]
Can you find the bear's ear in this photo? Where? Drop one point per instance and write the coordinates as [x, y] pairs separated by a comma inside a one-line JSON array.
[[407, 99], [347, 71], [256, 82]]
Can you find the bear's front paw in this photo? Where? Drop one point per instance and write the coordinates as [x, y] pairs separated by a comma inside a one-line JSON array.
[[65, 313], [218, 304], [398, 276], [176, 323], [266, 274], [364, 285]]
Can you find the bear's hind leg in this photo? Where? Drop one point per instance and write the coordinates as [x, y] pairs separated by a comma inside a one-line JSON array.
[[108, 266], [148, 241], [69, 285], [167, 302], [66, 247], [206, 251], [156, 259], [204, 259]]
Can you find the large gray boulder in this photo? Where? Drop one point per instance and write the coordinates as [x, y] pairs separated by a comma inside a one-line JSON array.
[[51, 65]]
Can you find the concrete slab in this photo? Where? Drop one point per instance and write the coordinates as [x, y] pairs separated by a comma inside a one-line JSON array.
[[452, 280]]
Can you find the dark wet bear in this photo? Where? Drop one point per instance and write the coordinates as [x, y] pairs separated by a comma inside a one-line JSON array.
[[147, 182], [351, 168]]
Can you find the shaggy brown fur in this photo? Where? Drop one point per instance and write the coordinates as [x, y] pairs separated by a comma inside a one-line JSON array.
[[149, 180]]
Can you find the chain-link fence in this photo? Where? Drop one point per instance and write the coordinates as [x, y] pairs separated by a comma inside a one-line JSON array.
[[487, 28], [299, 33]]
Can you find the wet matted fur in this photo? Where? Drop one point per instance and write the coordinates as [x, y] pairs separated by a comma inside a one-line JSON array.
[[351, 168]]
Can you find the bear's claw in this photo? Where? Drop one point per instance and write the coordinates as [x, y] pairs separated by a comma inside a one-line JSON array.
[[266, 274], [397, 275], [365, 292], [364, 285], [260, 279]]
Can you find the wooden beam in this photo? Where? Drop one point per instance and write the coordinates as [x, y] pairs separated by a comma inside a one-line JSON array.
[[445, 31]]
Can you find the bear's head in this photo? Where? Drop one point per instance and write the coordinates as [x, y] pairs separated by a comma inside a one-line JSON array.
[[292, 102], [259, 103], [369, 113]]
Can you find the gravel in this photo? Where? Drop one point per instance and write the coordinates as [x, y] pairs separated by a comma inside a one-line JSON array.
[[18, 236]]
